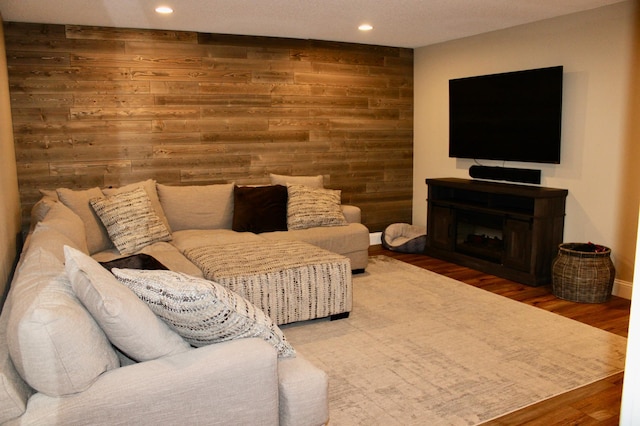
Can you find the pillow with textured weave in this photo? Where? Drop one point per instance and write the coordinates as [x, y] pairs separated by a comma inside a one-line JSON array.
[[201, 311], [311, 207], [130, 220], [260, 208], [149, 186]]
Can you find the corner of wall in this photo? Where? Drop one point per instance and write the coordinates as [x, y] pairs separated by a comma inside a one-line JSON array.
[[10, 221]]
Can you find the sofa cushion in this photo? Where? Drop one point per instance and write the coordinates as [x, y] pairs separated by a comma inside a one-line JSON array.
[[197, 207], [52, 193], [310, 181], [134, 261], [14, 391], [126, 320], [66, 225], [130, 220], [54, 343], [149, 186], [311, 207], [202, 311], [260, 209], [78, 201], [165, 252], [338, 239], [302, 391], [51, 240], [40, 210]]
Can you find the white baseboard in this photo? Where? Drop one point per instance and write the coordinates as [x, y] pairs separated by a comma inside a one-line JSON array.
[[620, 288]]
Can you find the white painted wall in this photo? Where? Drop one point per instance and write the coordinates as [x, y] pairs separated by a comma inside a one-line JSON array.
[[9, 196], [595, 48], [630, 410]]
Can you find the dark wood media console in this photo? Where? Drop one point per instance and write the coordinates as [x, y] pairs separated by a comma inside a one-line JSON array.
[[512, 231]]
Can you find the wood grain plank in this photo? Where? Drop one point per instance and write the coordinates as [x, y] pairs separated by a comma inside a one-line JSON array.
[[65, 152], [267, 111], [86, 59], [44, 43], [109, 33], [149, 113], [25, 73], [339, 56], [228, 124], [319, 101], [164, 73], [94, 126], [341, 80], [80, 168], [28, 58], [113, 100], [252, 136], [26, 30], [155, 48], [78, 87], [213, 100]]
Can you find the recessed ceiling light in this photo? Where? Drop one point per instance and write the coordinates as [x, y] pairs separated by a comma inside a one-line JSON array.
[[164, 9], [365, 27]]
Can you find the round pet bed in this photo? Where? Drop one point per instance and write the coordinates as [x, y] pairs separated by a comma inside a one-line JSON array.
[[404, 238]]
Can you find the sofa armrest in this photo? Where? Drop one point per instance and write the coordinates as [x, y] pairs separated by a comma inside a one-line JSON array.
[[353, 214], [304, 399], [227, 383]]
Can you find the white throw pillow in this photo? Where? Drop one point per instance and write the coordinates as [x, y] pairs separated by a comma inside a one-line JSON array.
[[127, 321], [54, 343], [130, 220], [202, 311], [311, 207]]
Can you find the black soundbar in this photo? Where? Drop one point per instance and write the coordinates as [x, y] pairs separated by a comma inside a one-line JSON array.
[[505, 173]]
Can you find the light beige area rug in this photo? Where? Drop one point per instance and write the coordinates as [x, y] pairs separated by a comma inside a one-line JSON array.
[[423, 349]]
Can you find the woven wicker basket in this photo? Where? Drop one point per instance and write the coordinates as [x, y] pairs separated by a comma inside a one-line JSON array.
[[583, 276]]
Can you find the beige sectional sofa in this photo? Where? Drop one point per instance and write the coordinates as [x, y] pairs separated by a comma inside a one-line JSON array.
[[74, 352]]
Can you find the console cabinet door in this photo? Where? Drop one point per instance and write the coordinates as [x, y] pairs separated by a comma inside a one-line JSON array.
[[440, 223], [517, 244]]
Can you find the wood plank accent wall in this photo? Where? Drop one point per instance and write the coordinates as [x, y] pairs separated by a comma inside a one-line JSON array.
[[97, 106]]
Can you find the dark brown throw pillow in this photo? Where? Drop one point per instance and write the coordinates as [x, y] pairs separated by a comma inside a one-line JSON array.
[[135, 261], [259, 209]]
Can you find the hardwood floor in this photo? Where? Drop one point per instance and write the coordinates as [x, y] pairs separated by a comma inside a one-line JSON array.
[[594, 404]]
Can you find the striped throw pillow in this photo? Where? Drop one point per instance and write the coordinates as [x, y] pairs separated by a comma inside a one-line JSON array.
[[311, 207], [130, 220]]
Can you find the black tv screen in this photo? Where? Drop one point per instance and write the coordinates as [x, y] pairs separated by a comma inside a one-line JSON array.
[[514, 116]]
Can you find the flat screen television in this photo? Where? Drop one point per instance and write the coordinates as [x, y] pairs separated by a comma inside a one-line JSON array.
[[513, 116]]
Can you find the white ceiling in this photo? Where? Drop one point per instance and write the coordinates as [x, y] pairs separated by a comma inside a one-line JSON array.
[[399, 23]]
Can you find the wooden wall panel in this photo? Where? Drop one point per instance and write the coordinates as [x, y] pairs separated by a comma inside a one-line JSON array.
[[109, 106]]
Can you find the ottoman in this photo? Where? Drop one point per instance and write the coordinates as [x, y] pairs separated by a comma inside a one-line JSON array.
[[289, 280]]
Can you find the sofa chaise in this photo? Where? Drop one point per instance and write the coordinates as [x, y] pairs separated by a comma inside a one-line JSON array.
[[71, 352]]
